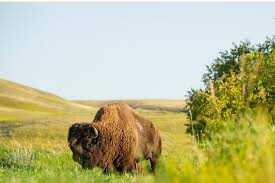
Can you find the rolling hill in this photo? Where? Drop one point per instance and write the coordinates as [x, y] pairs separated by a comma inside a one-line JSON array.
[[38, 121], [19, 100]]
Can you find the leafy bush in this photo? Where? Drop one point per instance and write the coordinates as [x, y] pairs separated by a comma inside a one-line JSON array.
[[238, 80]]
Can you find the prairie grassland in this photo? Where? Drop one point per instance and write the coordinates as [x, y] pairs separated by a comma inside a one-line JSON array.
[[52, 129], [33, 137], [237, 152], [37, 150], [33, 144]]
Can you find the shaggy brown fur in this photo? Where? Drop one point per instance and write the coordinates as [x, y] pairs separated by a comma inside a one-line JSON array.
[[124, 139]]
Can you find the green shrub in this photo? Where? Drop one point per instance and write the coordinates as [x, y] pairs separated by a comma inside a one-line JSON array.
[[238, 80]]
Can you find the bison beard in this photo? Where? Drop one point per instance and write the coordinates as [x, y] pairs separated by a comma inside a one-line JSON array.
[[117, 138]]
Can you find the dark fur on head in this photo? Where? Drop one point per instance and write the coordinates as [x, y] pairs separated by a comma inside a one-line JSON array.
[[82, 139]]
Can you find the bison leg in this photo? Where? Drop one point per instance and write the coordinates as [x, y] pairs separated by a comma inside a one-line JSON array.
[[153, 164], [123, 169], [119, 169], [132, 167], [138, 167], [107, 171]]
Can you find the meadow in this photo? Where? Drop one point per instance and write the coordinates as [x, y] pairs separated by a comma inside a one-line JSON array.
[[33, 144], [40, 153]]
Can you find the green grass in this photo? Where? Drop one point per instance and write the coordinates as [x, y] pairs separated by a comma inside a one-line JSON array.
[[33, 137], [242, 152], [33, 144], [37, 151]]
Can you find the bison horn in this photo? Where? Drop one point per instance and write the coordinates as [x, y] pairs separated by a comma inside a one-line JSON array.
[[94, 133]]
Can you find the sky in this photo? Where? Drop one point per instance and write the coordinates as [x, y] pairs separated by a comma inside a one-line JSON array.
[[122, 50]]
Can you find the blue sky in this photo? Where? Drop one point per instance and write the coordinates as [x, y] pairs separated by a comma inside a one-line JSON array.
[[122, 50]]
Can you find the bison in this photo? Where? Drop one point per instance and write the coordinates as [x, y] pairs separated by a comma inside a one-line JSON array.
[[118, 138]]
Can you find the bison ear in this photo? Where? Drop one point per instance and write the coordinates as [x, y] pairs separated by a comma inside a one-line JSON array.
[[93, 133]]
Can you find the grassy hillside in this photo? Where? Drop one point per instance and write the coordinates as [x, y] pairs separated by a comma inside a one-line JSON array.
[[147, 104], [18, 101], [40, 153], [33, 135], [34, 148]]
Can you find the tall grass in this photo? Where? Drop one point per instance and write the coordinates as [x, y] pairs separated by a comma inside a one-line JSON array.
[[242, 151]]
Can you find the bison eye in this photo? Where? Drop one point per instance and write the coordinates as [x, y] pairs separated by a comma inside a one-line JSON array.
[[94, 141], [87, 146]]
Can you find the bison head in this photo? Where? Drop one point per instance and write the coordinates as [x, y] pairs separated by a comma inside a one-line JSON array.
[[83, 141]]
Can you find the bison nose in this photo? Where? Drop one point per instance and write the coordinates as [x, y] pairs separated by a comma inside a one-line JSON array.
[[84, 165], [76, 158]]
